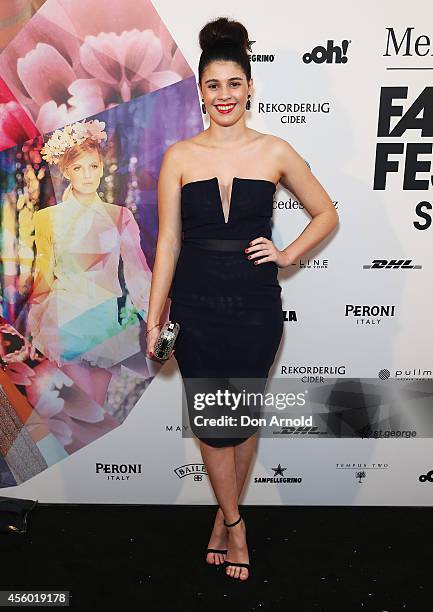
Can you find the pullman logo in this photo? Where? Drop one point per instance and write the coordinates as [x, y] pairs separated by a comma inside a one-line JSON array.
[[118, 471], [413, 374], [331, 54], [384, 374], [394, 264], [196, 470]]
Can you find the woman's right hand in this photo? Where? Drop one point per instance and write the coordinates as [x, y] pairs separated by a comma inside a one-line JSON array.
[[152, 337]]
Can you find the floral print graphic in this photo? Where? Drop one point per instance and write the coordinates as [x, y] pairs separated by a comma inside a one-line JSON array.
[[67, 63], [15, 125], [115, 63]]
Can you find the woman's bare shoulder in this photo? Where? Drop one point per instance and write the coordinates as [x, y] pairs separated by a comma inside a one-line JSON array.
[[182, 147], [179, 156], [275, 143]]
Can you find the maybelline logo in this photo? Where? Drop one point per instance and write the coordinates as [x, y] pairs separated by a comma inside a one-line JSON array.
[[411, 374], [364, 314], [360, 470], [196, 470], [177, 428], [426, 477], [331, 54], [311, 264], [392, 264], [261, 57], [289, 315], [118, 471], [278, 471]]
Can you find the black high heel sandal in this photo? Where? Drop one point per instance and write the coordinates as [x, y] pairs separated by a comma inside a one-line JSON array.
[[216, 550], [227, 563]]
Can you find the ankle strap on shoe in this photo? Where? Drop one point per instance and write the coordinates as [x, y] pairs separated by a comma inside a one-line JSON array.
[[233, 524]]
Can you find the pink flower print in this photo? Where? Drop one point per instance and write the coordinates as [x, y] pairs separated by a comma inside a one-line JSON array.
[[95, 129], [45, 74], [20, 373], [61, 65], [15, 125], [14, 348], [51, 116], [64, 409], [43, 394], [122, 66]]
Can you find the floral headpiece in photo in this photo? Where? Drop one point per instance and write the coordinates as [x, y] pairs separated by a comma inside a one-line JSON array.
[[72, 135]]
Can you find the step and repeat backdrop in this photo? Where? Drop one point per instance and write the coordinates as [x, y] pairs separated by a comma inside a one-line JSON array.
[[349, 88]]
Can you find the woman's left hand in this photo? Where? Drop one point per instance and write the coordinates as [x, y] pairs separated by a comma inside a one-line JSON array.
[[262, 250]]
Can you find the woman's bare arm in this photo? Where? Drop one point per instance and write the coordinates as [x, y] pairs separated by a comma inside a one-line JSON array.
[[169, 232], [298, 178]]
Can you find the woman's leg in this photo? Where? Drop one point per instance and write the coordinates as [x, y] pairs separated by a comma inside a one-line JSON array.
[[218, 538], [227, 468], [243, 455]]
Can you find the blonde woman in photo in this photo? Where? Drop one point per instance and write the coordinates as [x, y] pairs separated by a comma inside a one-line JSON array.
[[73, 316]]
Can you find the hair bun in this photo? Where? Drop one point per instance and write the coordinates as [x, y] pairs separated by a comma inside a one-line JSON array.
[[223, 31]]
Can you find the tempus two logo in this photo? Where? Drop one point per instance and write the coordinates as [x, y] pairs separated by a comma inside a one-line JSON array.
[[331, 54]]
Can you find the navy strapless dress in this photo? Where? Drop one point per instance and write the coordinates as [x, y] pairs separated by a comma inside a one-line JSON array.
[[228, 308]]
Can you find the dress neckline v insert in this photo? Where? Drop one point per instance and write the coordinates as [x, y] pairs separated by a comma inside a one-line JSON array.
[[233, 183]]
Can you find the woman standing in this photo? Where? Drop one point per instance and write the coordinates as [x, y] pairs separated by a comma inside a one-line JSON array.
[[217, 188]]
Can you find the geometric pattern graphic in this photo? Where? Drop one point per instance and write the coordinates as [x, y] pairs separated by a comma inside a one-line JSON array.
[[75, 279], [77, 254]]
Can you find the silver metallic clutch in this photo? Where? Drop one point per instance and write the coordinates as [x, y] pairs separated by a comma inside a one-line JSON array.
[[166, 339]]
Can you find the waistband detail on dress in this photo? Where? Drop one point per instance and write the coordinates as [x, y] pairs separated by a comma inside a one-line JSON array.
[[218, 244]]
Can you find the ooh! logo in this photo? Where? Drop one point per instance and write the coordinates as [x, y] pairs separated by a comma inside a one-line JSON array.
[[426, 477], [320, 54]]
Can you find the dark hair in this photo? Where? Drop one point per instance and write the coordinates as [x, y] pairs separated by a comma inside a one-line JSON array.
[[224, 39]]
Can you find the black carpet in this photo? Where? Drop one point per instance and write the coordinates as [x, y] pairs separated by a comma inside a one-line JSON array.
[[151, 558]]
